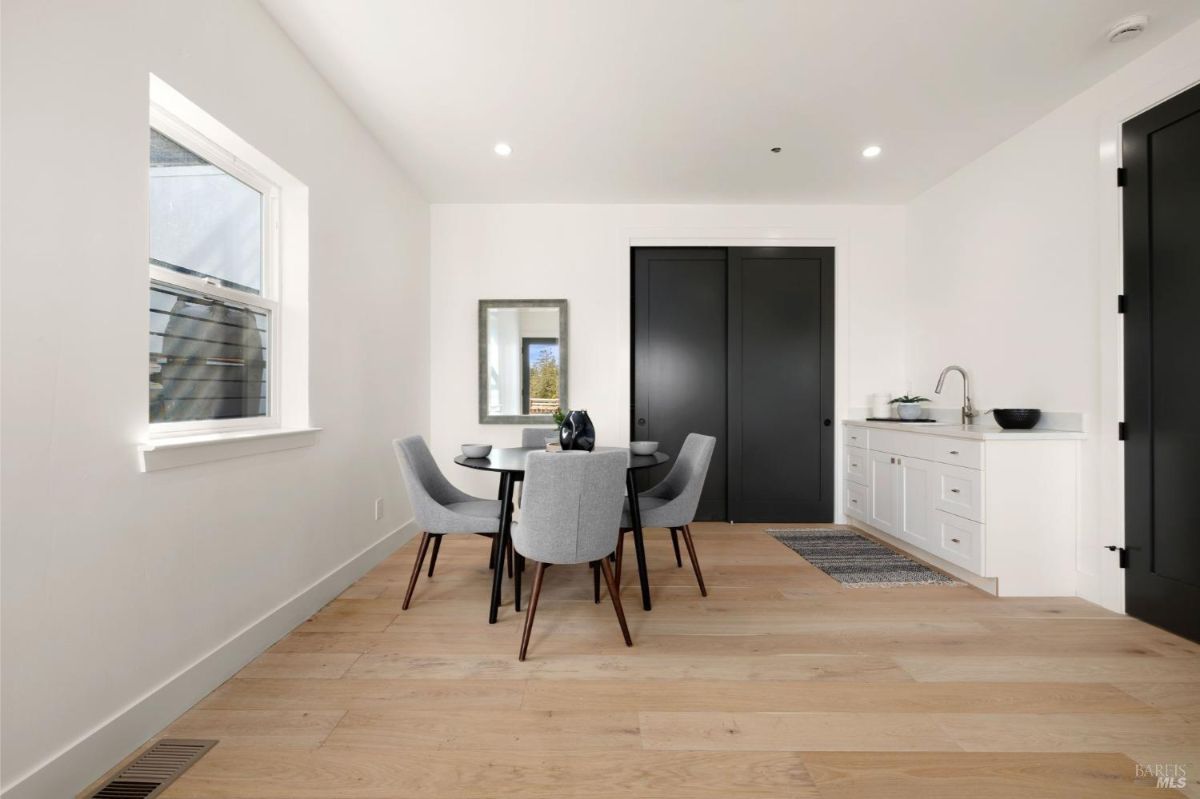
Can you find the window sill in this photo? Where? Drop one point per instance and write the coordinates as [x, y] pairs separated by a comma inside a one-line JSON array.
[[171, 453]]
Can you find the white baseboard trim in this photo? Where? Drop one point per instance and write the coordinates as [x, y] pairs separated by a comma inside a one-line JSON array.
[[77, 766]]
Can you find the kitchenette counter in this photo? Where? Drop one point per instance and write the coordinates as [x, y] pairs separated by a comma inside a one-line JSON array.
[[976, 432]]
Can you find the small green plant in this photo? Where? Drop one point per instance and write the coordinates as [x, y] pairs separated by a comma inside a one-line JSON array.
[[905, 400], [559, 416]]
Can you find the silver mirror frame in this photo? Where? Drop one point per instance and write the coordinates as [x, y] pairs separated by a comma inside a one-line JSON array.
[[525, 419]]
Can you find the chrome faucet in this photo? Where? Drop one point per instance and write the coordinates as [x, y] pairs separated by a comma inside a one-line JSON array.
[[968, 410]]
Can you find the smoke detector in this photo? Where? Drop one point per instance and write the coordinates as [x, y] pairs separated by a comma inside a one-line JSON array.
[[1128, 28]]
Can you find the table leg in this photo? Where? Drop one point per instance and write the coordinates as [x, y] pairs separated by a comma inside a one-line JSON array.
[[506, 495], [635, 515]]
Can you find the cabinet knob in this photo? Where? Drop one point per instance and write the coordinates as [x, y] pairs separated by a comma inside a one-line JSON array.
[[954, 491], [953, 452], [955, 540], [641, 422]]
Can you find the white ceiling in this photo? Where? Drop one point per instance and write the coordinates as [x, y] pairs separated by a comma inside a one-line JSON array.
[[681, 100]]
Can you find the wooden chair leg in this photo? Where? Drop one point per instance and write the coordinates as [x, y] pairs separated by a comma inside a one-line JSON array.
[[492, 556], [533, 600], [617, 559], [437, 545], [616, 600], [691, 548], [412, 581], [675, 543], [596, 581], [509, 557]]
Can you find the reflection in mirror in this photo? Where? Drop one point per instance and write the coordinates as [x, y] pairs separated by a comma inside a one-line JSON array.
[[522, 360]]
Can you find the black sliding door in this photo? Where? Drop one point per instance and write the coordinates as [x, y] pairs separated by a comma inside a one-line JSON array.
[[738, 343], [679, 359], [1161, 154], [781, 384]]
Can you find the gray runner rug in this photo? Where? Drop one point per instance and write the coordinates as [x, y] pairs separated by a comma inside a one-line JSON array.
[[855, 560]]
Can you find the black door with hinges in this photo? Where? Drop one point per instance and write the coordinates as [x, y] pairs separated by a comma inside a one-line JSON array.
[[738, 343], [1161, 201]]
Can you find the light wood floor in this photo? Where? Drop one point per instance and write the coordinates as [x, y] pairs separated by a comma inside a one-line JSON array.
[[780, 684]]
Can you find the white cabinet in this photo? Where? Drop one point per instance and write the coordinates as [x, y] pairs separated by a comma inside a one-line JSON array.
[[884, 486], [858, 501], [917, 479], [959, 490], [1000, 507], [858, 468]]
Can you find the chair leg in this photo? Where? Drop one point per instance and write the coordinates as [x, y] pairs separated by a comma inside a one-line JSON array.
[[691, 548], [492, 556], [437, 545], [509, 558], [596, 581], [675, 543], [412, 581], [533, 600], [517, 581], [616, 600], [617, 558]]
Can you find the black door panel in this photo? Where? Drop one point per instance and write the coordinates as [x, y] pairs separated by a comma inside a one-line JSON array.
[[738, 343], [1161, 154]]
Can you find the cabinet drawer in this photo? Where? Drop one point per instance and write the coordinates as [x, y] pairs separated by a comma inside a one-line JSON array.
[[858, 437], [857, 498], [959, 541], [858, 467], [959, 490], [959, 451], [896, 442]]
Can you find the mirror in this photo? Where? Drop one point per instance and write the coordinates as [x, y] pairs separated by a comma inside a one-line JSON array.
[[522, 360]]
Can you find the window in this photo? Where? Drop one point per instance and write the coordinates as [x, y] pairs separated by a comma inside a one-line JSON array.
[[539, 384], [214, 285]]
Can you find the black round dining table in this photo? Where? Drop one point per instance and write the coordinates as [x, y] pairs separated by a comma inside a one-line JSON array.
[[509, 462]]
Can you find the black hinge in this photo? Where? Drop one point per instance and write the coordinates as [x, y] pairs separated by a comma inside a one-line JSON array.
[[1122, 555], [1120, 176], [1120, 431], [1120, 303]]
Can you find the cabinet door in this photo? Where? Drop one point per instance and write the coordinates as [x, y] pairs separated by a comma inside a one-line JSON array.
[[884, 491], [917, 478]]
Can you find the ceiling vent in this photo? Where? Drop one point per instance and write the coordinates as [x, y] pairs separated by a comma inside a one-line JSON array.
[[1127, 29]]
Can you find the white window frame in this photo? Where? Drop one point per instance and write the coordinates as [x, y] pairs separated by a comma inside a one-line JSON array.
[[171, 126]]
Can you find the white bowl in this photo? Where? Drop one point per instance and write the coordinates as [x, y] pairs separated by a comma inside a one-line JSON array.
[[643, 447], [476, 450]]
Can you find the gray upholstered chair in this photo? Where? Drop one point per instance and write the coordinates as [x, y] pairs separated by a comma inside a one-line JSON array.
[[536, 436], [571, 512], [672, 503], [438, 507]]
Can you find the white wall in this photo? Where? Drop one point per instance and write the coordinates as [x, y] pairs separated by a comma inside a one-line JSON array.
[[120, 586], [581, 253], [1014, 266]]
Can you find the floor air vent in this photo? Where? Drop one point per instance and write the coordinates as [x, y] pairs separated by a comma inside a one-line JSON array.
[[153, 770]]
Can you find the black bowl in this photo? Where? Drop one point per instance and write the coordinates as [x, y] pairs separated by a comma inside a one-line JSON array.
[[1017, 418]]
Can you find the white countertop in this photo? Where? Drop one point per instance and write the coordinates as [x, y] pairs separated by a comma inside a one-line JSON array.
[[977, 432]]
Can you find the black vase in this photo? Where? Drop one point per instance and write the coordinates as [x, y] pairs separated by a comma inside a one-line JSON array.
[[577, 432]]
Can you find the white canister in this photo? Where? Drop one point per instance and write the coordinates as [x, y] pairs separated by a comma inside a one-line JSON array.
[[880, 405]]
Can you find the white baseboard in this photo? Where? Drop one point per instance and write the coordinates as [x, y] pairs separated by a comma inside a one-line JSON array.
[[74, 768]]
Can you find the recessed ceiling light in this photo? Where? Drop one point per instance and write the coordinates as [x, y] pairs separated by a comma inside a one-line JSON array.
[[503, 149], [873, 151]]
